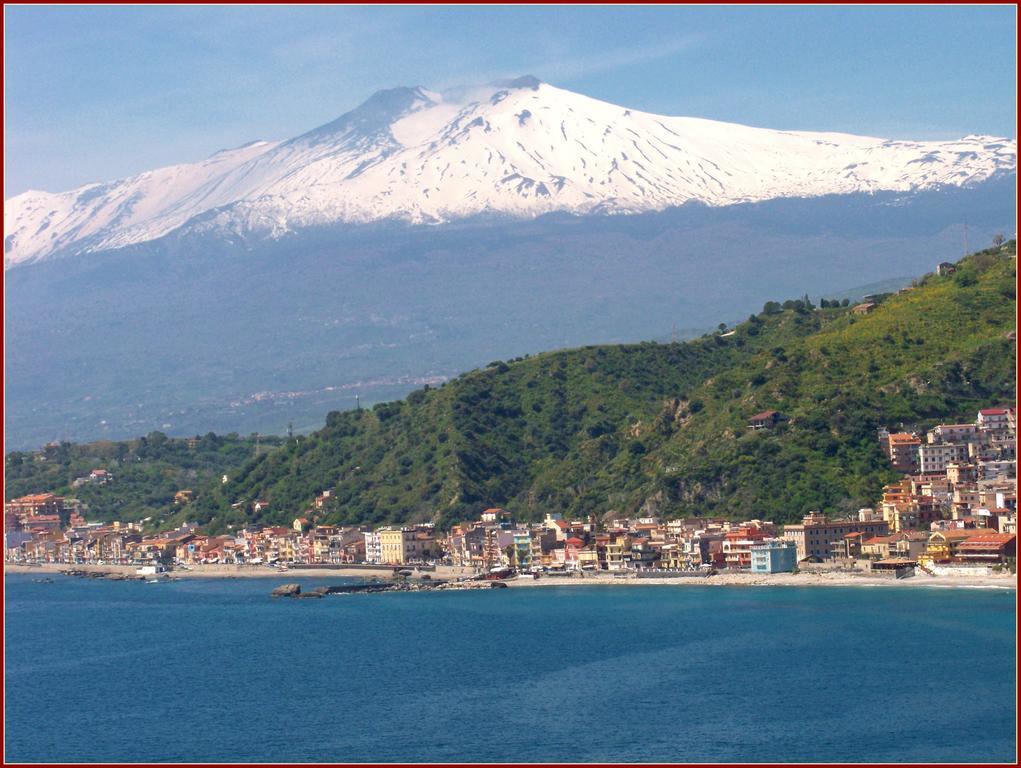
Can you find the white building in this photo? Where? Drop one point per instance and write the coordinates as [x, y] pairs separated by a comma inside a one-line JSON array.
[[934, 457], [373, 548], [952, 433], [993, 470], [994, 419]]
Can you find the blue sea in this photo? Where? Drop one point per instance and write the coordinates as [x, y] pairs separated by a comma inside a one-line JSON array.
[[216, 670]]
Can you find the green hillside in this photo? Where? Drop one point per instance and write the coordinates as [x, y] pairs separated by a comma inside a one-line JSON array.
[[664, 426], [147, 472], [659, 427]]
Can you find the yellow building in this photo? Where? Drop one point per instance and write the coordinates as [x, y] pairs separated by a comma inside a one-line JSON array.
[[391, 545], [588, 558], [672, 557], [615, 550], [943, 545]]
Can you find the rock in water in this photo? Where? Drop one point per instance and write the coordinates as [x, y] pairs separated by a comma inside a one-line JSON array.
[[287, 590]]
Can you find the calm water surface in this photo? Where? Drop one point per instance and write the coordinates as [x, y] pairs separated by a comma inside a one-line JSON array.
[[215, 670]]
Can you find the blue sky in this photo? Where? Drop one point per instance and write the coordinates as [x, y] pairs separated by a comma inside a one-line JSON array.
[[99, 92]]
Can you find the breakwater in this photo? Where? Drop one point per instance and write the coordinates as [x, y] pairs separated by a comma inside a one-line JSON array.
[[295, 591]]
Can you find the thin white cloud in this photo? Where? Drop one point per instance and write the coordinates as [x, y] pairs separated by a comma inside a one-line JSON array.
[[584, 65], [559, 68]]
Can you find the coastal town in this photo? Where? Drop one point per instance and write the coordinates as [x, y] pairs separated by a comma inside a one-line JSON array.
[[954, 511]]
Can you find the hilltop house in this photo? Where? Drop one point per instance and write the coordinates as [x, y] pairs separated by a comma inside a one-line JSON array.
[[765, 420]]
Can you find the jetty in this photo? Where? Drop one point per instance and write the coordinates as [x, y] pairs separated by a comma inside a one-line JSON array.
[[83, 573], [295, 591]]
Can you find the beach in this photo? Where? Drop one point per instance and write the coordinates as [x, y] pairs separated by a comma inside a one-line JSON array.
[[241, 571], [446, 572], [802, 579]]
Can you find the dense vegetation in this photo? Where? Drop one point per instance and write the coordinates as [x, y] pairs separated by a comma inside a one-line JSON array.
[[661, 427], [146, 472]]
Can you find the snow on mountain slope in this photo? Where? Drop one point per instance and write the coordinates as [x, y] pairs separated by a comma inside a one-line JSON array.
[[116, 213], [520, 148]]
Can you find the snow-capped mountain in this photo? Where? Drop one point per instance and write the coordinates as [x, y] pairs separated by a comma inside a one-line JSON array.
[[520, 148]]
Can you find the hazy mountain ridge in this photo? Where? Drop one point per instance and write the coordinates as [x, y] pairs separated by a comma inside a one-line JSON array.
[[179, 334]]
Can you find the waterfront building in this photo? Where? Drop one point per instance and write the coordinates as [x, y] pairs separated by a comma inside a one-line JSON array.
[[572, 547], [588, 557], [990, 548], [522, 543], [738, 544], [942, 545], [373, 551], [704, 547], [644, 555], [671, 557], [616, 547], [905, 545], [395, 545], [14, 545], [774, 556], [815, 536]]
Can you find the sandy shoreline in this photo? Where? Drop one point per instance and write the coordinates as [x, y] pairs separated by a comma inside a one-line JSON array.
[[224, 571], [803, 579]]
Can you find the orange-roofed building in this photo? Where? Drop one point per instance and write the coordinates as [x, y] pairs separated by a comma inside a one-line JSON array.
[[36, 504], [765, 420], [994, 419], [902, 448], [996, 548], [942, 545], [494, 515]]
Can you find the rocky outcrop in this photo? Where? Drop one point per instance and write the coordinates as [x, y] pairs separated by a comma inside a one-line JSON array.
[[287, 590]]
